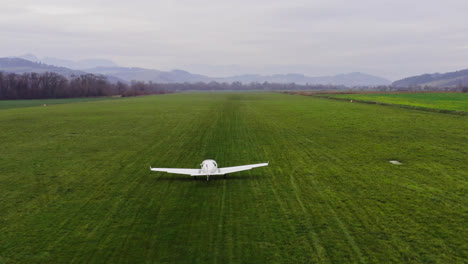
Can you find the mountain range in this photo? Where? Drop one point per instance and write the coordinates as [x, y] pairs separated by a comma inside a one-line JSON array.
[[129, 74], [449, 79], [349, 79], [149, 75], [75, 65], [31, 63], [17, 65]]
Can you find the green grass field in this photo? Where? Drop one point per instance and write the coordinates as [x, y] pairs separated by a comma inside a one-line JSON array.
[[76, 187], [443, 101], [7, 104]]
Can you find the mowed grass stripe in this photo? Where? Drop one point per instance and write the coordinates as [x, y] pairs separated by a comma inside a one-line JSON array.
[[77, 187], [296, 163]]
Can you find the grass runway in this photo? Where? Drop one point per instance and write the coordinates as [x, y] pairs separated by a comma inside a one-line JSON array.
[[75, 183]]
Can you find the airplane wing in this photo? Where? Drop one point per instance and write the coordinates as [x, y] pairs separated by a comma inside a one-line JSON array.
[[191, 172], [227, 170]]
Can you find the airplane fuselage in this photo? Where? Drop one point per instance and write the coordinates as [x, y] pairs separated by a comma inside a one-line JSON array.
[[209, 166]]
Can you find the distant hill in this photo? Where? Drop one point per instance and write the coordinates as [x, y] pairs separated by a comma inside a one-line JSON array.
[[180, 76], [449, 79], [29, 57], [147, 75], [17, 65], [76, 65], [81, 64], [350, 79]]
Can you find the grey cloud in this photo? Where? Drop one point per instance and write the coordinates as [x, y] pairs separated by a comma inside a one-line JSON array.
[[388, 38]]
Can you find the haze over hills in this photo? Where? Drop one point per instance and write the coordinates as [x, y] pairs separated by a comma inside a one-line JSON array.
[[76, 65], [127, 74], [350, 79], [149, 75], [19, 66], [449, 79]]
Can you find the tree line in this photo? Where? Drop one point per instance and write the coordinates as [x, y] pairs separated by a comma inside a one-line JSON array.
[[53, 85], [238, 86], [266, 86]]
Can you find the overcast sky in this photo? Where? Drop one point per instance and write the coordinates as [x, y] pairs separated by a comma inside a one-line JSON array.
[[392, 39]]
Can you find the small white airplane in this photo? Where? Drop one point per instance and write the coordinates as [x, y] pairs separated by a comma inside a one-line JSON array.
[[209, 167]]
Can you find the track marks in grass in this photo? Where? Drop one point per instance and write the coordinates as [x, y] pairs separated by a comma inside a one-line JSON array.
[[341, 225], [299, 220], [220, 227], [313, 235], [328, 196]]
